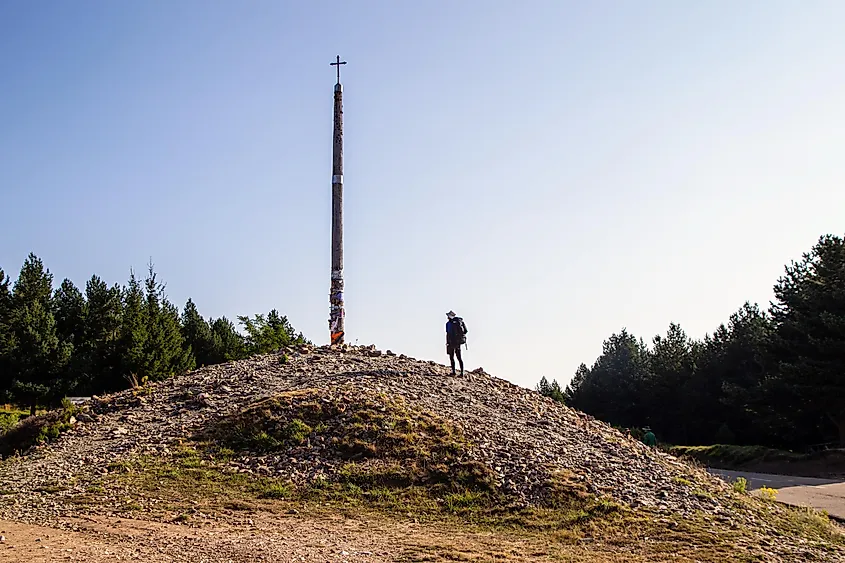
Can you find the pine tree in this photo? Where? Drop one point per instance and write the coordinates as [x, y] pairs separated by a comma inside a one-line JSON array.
[[151, 343], [133, 331], [101, 353], [69, 310], [742, 399], [614, 389], [227, 343], [5, 335], [551, 390], [776, 379], [672, 365], [164, 354], [809, 315], [573, 389], [38, 355], [197, 335], [270, 333]]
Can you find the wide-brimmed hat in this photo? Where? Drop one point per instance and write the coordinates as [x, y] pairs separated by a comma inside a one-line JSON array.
[[451, 314]]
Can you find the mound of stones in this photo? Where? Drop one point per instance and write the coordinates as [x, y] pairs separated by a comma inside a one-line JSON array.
[[521, 436]]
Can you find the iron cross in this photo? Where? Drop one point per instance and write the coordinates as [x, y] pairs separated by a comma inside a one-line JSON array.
[[337, 64]]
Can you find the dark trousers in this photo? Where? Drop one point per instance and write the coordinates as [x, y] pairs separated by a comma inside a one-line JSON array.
[[453, 351]]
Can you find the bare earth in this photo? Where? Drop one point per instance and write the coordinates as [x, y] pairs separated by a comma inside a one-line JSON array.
[[276, 539], [104, 539]]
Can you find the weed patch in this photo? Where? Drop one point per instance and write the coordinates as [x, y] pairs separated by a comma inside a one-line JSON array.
[[37, 429], [10, 418], [768, 494], [378, 441], [273, 490]]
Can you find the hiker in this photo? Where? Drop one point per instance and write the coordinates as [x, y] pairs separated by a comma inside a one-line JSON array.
[[456, 332], [649, 439]]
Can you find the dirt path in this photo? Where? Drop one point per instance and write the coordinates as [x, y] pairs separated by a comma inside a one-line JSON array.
[[268, 539], [293, 539], [132, 540]]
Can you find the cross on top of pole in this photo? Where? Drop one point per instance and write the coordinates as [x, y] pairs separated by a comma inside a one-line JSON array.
[[337, 64]]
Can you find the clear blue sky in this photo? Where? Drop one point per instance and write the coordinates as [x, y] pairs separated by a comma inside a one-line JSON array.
[[552, 171]]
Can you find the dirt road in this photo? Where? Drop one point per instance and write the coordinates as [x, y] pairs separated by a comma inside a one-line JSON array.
[[821, 494], [271, 538]]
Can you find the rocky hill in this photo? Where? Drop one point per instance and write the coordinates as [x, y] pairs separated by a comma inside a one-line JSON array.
[[361, 417]]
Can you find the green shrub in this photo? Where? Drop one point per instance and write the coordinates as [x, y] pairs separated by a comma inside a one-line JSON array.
[[296, 431], [740, 485], [466, 500], [9, 419], [275, 491]]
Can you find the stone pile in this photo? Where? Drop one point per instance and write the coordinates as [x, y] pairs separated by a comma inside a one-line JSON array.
[[523, 436]]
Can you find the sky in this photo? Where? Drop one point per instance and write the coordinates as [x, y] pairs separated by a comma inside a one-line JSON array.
[[552, 171]]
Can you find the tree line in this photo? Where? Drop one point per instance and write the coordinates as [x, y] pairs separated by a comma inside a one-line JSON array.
[[66, 341], [771, 376]]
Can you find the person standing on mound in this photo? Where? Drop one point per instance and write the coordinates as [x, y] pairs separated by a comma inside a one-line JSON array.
[[456, 335]]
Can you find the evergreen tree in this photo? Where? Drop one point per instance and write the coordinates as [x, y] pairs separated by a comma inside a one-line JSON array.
[[703, 411], [743, 372], [70, 310], [163, 353], [667, 394], [100, 356], [227, 343], [551, 390], [270, 333], [38, 355], [5, 335], [572, 393], [133, 330], [614, 389], [776, 379], [809, 315], [63, 341], [197, 335], [281, 326]]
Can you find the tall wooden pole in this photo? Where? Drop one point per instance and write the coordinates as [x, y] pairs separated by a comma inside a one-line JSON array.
[[336, 311]]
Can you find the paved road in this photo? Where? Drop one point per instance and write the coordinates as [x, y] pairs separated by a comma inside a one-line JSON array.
[[822, 494]]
